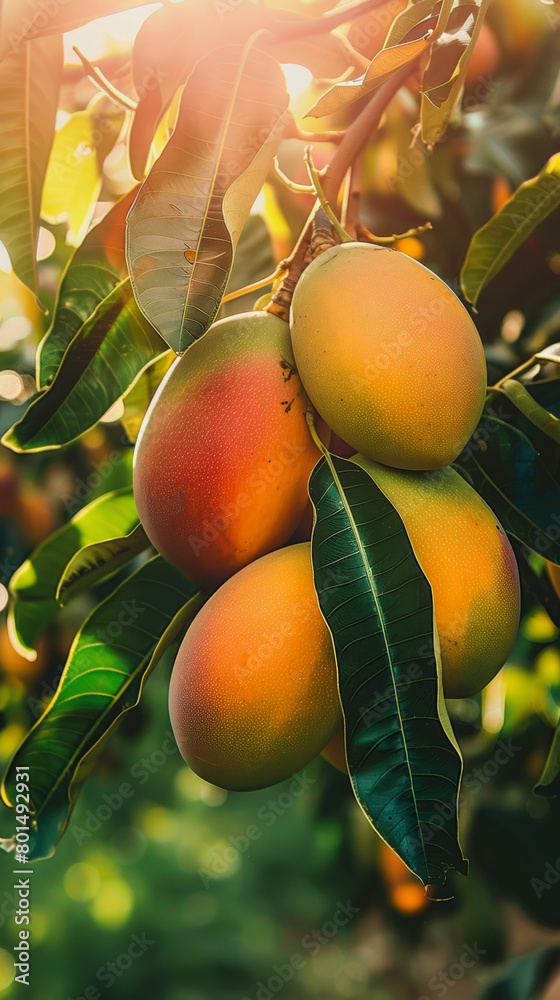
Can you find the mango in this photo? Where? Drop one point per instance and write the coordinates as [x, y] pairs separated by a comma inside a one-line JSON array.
[[469, 562], [388, 356], [253, 695], [224, 453]]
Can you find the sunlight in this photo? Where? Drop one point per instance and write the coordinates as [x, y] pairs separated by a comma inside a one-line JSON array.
[[298, 79]]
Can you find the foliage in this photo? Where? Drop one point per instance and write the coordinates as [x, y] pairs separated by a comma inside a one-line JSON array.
[[151, 273]]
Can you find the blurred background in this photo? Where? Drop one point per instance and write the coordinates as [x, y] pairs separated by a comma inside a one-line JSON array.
[[182, 891]]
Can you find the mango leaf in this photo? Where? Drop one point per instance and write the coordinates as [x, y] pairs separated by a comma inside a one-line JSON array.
[[22, 20], [187, 218], [29, 87], [74, 174], [109, 661], [526, 977], [496, 242], [549, 782], [93, 272], [443, 79], [507, 462], [408, 21], [34, 585], [137, 401], [103, 361], [382, 66], [403, 759], [166, 48], [99, 561]]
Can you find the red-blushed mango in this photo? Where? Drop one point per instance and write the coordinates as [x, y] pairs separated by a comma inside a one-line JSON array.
[[469, 562], [253, 695], [224, 454], [388, 355], [484, 61]]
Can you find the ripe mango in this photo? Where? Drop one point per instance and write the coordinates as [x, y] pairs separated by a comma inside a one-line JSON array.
[[224, 454], [388, 355], [253, 695], [470, 564]]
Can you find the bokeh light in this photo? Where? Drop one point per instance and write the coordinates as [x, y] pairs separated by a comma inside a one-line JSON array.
[[81, 882]]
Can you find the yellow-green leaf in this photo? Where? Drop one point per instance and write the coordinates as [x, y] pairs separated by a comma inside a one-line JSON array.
[[29, 88], [493, 245], [443, 79], [74, 174], [382, 66]]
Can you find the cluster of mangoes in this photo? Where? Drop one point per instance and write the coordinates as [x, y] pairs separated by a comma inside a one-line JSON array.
[[391, 362]]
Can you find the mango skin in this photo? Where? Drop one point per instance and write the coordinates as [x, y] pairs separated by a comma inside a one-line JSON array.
[[224, 454], [388, 355], [253, 695], [469, 562]]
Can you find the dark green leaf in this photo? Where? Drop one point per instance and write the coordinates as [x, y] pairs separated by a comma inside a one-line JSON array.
[[101, 364], [34, 585], [525, 977], [514, 466], [92, 274], [403, 759], [188, 216], [549, 781], [110, 659]]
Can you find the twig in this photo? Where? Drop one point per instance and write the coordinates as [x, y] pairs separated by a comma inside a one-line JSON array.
[[314, 177], [365, 236], [256, 285], [360, 131], [290, 184], [321, 25], [293, 131], [101, 81]]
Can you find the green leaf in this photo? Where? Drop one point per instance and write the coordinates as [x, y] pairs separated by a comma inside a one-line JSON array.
[[28, 19], [98, 561], [524, 978], [74, 174], [97, 346], [496, 242], [101, 364], [92, 274], [403, 759], [34, 585], [110, 659], [549, 781], [187, 218], [29, 87], [137, 401], [515, 468]]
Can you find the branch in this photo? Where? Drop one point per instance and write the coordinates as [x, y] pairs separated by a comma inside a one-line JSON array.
[[320, 25], [360, 131]]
